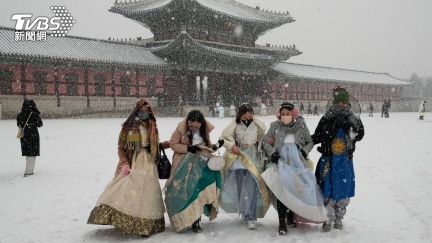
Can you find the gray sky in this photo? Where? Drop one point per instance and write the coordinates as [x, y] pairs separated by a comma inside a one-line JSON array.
[[392, 36]]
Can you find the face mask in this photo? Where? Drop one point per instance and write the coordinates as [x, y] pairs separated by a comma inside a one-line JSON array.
[[286, 119], [247, 122], [144, 115], [339, 110], [194, 129]]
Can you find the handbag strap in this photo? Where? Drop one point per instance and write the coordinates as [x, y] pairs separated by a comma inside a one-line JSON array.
[[163, 151], [27, 120]]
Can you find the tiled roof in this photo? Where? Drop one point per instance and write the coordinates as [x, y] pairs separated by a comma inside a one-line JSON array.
[[336, 74], [243, 52], [78, 49], [224, 7], [138, 7], [235, 9]]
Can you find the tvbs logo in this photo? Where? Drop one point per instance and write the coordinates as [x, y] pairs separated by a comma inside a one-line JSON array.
[[57, 26]]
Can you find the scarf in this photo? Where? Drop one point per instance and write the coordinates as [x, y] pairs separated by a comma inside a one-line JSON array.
[[130, 134]]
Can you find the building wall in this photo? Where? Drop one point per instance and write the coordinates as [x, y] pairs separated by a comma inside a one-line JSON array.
[[71, 106], [43, 80], [296, 88]]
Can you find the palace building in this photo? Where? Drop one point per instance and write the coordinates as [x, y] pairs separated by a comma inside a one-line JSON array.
[[201, 51]]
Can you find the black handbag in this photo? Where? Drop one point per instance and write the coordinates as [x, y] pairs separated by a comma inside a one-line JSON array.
[[164, 166]]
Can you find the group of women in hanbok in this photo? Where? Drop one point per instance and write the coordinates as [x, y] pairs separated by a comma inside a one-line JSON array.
[[246, 184], [133, 201]]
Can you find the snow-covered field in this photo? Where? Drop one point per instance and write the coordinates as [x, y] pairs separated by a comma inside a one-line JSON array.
[[393, 202]]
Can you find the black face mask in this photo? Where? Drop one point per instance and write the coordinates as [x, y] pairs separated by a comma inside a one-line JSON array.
[[144, 115], [247, 122], [338, 110]]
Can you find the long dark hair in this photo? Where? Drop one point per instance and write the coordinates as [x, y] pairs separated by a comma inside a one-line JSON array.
[[243, 109], [29, 106], [196, 115]]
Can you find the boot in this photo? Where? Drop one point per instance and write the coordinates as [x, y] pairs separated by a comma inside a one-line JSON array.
[[196, 226], [282, 226], [251, 224], [290, 219], [326, 226], [30, 165], [338, 224], [282, 214]]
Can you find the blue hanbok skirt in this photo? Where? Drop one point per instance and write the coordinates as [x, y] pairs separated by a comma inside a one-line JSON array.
[[293, 183], [335, 174]]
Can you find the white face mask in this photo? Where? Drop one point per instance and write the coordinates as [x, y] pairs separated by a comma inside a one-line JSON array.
[[286, 119]]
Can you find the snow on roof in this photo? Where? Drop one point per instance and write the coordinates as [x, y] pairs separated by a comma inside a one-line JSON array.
[[137, 7], [79, 49], [233, 8], [223, 7], [336, 74]]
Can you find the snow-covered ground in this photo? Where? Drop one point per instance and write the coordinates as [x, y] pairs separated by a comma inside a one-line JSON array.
[[393, 202]]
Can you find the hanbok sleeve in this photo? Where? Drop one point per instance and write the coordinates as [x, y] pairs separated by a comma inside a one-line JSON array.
[[269, 148]]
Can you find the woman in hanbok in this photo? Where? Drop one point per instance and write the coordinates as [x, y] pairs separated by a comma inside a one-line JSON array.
[[244, 191], [289, 176], [193, 188], [232, 112], [132, 201], [337, 132], [221, 111], [263, 110]]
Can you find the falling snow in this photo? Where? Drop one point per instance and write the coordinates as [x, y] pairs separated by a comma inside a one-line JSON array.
[[78, 159]]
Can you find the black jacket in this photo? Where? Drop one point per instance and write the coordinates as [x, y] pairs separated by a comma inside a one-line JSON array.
[[30, 143], [326, 131]]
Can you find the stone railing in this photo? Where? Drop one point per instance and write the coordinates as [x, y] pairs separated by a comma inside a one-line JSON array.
[[70, 106], [103, 107]]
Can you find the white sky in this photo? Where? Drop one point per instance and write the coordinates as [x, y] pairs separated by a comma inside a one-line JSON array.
[[78, 158], [392, 36]]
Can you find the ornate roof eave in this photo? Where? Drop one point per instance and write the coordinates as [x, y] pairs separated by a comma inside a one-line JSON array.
[[277, 51], [272, 19], [125, 9], [24, 57], [244, 53]]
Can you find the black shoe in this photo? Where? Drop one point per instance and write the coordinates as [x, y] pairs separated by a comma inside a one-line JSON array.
[[290, 219], [196, 226], [282, 215], [282, 230], [28, 174]]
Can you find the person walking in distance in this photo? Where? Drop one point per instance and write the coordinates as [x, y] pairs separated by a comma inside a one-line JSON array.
[[422, 109], [29, 120]]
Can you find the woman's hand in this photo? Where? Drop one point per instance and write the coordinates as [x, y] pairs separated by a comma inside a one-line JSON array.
[[164, 145], [235, 149], [193, 149], [125, 169], [270, 140]]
